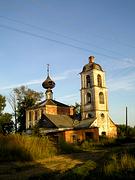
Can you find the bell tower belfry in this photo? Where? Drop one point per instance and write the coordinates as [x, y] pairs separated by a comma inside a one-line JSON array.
[[94, 96]]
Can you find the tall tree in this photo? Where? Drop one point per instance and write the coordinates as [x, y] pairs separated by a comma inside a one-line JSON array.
[[2, 103], [6, 123], [77, 109], [25, 98]]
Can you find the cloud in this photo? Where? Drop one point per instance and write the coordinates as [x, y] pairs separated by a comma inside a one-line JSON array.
[[122, 64], [126, 82], [65, 75], [69, 96], [122, 75]]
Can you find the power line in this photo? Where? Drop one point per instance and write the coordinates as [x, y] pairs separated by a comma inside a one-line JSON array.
[[58, 34], [53, 40]]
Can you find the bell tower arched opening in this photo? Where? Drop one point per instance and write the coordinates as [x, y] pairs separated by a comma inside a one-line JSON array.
[[101, 98], [99, 80], [88, 81]]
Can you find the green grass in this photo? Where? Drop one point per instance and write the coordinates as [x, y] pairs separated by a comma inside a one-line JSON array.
[[24, 148]]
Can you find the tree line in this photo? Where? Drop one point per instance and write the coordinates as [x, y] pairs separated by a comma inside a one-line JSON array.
[[20, 99]]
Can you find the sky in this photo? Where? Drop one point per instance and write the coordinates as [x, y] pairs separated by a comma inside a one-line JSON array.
[[34, 33]]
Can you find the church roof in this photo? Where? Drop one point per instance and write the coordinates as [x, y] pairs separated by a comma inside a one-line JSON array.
[[84, 123], [91, 66], [60, 121], [49, 102]]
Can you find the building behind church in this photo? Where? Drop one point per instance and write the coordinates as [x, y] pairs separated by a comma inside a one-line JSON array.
[[58, 120]]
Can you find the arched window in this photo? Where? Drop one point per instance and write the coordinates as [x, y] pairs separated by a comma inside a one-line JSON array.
[[99, 80], [88, 98], [88, 81], [36, 115], [30, 116], [101, 98]]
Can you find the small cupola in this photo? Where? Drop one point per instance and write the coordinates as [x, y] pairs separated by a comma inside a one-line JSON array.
[[48, 84], [91, 59]]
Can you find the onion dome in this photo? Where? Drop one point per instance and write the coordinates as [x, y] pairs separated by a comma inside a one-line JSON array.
[[91, 65], [48, 83]]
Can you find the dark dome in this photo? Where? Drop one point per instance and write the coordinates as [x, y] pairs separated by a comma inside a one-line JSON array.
[[48, 83], [91, 66]]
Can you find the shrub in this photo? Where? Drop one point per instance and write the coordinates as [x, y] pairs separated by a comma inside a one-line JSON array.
[[65, 147], [87, 146]]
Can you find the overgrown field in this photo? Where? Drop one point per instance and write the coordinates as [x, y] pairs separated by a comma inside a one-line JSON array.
[[27, 157], [25, 148]]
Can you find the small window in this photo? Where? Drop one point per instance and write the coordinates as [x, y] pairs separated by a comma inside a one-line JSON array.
[[74, 138], [102, 115], [30, 115], [101, 98], [89, 136], [90, 115], [88, 98], [103, 133], [99, 80]]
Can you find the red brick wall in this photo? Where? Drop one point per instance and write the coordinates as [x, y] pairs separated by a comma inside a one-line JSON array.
[[52, 109], [81, 134]]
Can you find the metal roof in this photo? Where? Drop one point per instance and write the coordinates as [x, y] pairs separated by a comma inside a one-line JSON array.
[[84, 123], [60, 121]]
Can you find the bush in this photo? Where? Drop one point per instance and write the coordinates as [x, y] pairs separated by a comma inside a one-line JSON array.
[[87, 146], [65, 147]]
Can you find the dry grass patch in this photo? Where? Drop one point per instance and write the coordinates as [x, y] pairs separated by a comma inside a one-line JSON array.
[[121, 165]]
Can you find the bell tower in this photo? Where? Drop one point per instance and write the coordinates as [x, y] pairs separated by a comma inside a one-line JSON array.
[[94, 97]]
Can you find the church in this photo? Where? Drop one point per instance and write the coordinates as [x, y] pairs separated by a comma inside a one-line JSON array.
[[58, 120]]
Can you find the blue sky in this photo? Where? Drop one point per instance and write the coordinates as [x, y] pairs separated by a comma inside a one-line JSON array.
[[64, 34]]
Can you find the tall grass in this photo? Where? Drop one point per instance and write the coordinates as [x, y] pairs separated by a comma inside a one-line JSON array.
[[23, 147], [120, 165], [103, 143]]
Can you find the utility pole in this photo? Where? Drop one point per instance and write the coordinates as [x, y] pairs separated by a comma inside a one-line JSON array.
[[126, 121]]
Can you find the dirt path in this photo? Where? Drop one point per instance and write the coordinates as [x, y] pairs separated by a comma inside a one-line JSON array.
[[59, 164]]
